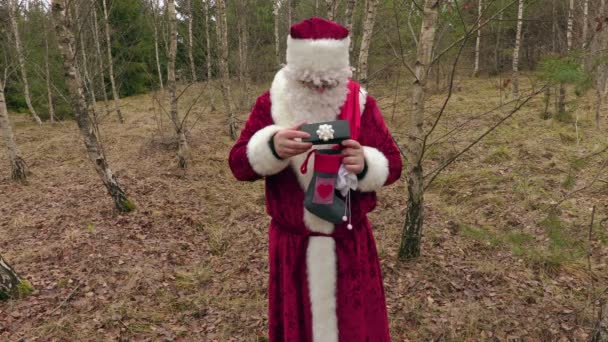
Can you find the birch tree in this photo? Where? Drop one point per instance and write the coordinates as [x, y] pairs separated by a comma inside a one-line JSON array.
[[13, 12], [520, 17], [331, 9], [412, 230], [276, 6], [191, 41], [561, 99], [597, 66], [11, 285], [155, 11], [585, 22], [18, 166], [183, 150], [47, 74], [74, 83], [366, 39], [478, 41], [207, 38], [115, 95], [99, 58], [222, 42]]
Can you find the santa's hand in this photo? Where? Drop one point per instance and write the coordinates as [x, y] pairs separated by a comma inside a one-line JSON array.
[[353, 161], [286, 145]]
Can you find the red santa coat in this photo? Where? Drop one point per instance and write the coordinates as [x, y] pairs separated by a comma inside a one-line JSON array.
[[325, 281]]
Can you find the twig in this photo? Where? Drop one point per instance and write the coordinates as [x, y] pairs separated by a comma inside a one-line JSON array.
[[66, 299], [585, 187]]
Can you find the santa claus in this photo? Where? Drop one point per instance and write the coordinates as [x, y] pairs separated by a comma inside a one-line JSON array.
[[325, 280]]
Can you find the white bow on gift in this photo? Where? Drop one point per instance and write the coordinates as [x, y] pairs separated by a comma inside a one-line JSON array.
[[325, 132]]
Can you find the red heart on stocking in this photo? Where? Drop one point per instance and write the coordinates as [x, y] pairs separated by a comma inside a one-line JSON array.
[[324, 190]]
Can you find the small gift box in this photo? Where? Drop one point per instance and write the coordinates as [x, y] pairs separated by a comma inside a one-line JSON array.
[[331, 132]]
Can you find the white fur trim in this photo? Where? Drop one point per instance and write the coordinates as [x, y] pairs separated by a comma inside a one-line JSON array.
[[260, 155], [362, 99], [318, 56], [317, 224], [377, 170], [321, 263]]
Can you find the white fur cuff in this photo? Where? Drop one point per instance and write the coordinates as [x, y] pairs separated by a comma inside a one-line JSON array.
[[259, 154], [377, 170]]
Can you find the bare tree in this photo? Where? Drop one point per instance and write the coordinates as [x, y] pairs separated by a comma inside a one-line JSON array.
[[349, 20], [100, 58], [222, 42], [596, 65], [585, 22], [12, 14], [18, 166], [155, 9], [183, 150], [561, 98], [520, 17], [191, 41], [243, 40], [111, 62], [47, 74], [207, 38], [276, 6], [332, 6], [478, 41], [412, 230], [366, 39], [11, 285], [81, 111]]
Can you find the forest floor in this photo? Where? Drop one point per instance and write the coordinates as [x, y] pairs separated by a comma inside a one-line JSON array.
[[190, 264]]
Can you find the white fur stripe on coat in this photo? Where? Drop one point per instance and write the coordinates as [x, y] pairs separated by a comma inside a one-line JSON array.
[[260, 155]]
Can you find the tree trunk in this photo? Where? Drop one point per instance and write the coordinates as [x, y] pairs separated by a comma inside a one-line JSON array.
[[497, 59], [585, 22], [601, 330], [81, 111], [243, 41], [412, 229], [520, 16], [277, 42], [87, 80], [561, 98], [12, 14], [18, 166], [366, 39], [289, 14], [207, 39], [478, 41], [191, 42], [47, 75], [155, 7], [183, 153], [11, 285], [111, 63], [331, 9], [349, 21], [222, 40], [100, 57]]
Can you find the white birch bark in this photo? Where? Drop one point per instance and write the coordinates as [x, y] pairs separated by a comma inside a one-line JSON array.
[[222, 40], [47, 75], [277, 42], [183, 152], [349, 20], [331, 9], [81, 112], [561, 98], [12, 14], [412, 230], [366, 39], [478, 41], [111, 63], [156, 6], [207, 38], [18, 166], [11, 285], [585, 22], [191, 41], [520, 16], [100, 59]]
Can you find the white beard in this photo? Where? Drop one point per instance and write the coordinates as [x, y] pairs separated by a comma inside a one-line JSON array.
[[293, 102]]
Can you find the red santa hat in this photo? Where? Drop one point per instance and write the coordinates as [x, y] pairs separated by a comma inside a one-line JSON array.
[[317, 49]]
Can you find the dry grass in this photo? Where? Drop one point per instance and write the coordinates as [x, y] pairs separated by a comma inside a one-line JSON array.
[[191, 261]]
